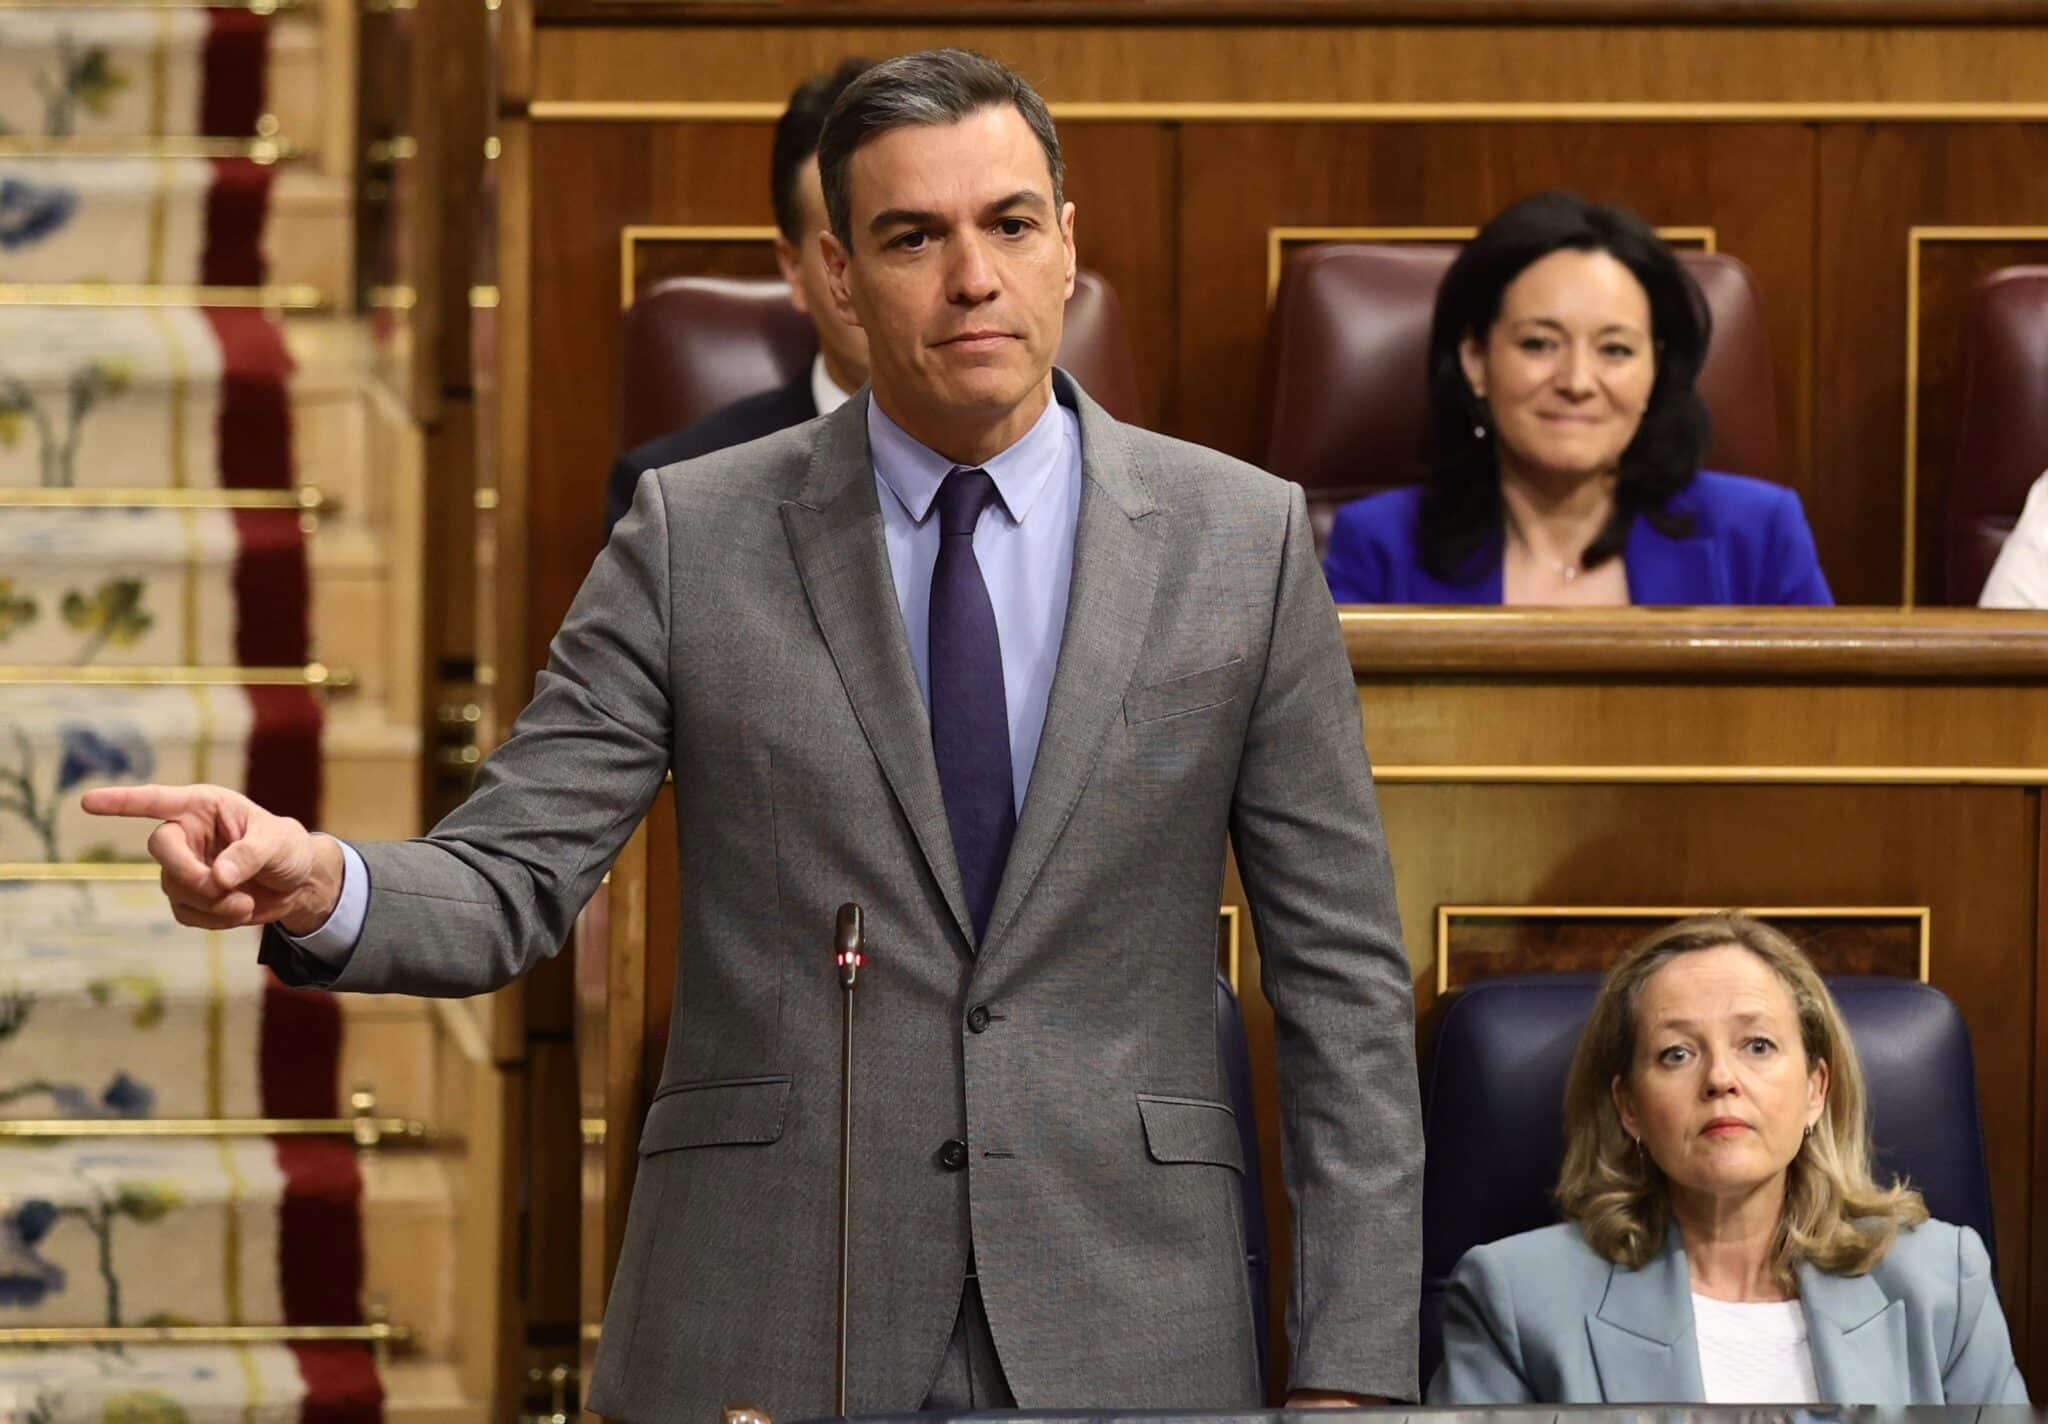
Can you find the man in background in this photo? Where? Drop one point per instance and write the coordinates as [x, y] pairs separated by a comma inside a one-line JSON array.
[[841, 365]]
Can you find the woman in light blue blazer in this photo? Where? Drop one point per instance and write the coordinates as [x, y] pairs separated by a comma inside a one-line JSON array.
[[1724, 1241], [1565, 437]]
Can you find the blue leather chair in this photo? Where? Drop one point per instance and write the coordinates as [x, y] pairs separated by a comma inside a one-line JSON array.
[[1493, 1113], [1235, 1057]]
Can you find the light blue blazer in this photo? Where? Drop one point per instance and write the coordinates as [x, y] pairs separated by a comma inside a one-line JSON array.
[[1540, 1319]]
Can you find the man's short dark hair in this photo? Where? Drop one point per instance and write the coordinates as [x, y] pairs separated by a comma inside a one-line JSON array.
[[933, 86], [796, 137]]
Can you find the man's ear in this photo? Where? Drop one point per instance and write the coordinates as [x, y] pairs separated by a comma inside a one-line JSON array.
[[835, 277], [1067, 240], [790, 263]]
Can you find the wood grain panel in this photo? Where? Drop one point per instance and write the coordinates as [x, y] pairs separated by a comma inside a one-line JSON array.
[[655, 259], [597, 179], [1479, 945], [1121, 62], [1873, 184], [1750, 183], [1267, 12], [1121, 179], [1950, 267]]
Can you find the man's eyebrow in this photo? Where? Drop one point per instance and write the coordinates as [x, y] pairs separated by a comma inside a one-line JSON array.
[[901, 217], [1022, 198]]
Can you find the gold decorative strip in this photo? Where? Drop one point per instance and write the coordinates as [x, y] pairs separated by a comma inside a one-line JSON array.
[[311, 675], [1198, 112], [633, 234], [254, 7], [379, 1334], [78, 870], [367, 1131], [307, 499], [266, 151], [1229, 926], [1915, 236], [1922, 914], [1427, 774], [117, 294], [1277, 239]]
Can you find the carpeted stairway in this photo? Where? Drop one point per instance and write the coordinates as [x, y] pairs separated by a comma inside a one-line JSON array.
[[109, 1011]]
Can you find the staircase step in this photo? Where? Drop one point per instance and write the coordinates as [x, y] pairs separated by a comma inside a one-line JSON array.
[[116, 1231], [208, 1384], [173, 221], [56, 742], [110, 1008], [153, 588], [109, 72]]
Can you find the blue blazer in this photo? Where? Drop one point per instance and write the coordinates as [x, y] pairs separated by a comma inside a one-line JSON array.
[[1750, 544], [1540, 1319]]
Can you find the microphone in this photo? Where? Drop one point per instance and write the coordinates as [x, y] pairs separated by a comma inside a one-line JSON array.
[[849, 954]]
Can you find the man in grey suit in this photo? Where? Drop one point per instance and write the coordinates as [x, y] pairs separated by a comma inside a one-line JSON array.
[[1007, 673]]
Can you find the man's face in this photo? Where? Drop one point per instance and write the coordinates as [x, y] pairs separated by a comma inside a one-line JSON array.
[[959, 274], [843, 345]]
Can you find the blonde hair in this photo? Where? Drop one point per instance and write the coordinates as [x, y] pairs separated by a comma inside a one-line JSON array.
[[1835, 1216]]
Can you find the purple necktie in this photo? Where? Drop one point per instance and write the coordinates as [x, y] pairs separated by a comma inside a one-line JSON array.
[[970, 717]]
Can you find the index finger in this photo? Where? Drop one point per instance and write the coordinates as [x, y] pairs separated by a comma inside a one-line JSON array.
[[160, 803]]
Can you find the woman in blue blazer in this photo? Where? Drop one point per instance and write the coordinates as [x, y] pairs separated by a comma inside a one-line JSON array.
[[1565, 436], [1725, 1242]]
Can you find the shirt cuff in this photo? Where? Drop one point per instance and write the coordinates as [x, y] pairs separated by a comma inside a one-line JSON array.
[[335, 941]]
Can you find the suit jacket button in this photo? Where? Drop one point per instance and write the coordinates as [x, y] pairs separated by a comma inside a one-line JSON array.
[[953, 1154], [977, 1018]]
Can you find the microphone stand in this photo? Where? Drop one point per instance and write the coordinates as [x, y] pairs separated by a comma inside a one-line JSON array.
[[848, 952]]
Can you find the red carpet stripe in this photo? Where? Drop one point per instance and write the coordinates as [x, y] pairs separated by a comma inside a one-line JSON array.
[[320, 1233], [341, 1384], [255, 426], [237, 58], [235, 209], [272, 594], [283, 773], [300, 1052]]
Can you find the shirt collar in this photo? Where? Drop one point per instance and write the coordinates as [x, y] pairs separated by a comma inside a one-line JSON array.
[[825, 392], [913, 471]]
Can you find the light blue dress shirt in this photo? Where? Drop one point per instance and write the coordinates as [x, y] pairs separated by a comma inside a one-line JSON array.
[[1024, 544]]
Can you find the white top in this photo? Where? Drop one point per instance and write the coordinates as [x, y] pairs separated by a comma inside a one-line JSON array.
[[824, 390], [1754, 1352]]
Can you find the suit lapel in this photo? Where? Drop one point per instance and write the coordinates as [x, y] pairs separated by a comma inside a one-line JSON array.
[[1858, 1338], [835, 536], [1643, 1336], [1109, 611]]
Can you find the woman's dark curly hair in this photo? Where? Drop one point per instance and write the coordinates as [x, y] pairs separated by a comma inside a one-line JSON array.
[[1461, 514]]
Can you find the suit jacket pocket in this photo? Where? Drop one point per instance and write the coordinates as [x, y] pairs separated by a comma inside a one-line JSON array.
[[716, 1113], [1190, 1130], [1191, 693]]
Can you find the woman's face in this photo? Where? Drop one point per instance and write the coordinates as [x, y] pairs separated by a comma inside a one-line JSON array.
[[1567, 367], [1720, 1093]]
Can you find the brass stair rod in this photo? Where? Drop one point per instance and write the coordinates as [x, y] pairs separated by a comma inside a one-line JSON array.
[[367, 1131]]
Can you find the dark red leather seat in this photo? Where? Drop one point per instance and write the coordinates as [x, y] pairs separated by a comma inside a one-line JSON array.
[[1346, 351], [2002, 433], [693, 344]]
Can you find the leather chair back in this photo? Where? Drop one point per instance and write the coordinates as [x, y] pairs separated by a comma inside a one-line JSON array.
[[693, 344], [1493, 1119], [1235, 1056], [1346, 369], [2002, 435]]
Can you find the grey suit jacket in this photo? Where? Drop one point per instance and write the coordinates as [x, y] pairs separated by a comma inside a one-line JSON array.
[[1539, 1318], [741, 628]]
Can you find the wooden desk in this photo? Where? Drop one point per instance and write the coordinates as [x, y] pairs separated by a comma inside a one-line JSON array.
[[1553, 782]]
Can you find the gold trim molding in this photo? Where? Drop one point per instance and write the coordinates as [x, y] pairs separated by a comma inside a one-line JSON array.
[[117, 294], [1233, 941], [1916, 237], [310, 675], [1277, 239], [633, 234], [1200, 112], [263, 150], [377, 1334], [367, 1131], [1446, 774], [307, 499], [1922, 915]]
